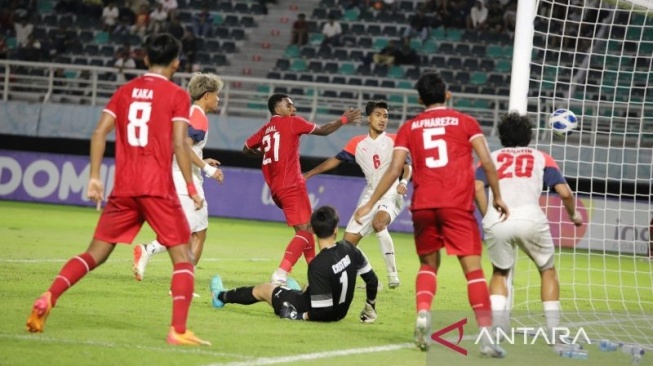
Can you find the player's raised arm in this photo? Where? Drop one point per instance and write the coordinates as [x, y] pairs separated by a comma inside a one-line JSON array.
[[350, 115], [390, 176], [179, 134], [106, 124], [480, 148], [325, 166]]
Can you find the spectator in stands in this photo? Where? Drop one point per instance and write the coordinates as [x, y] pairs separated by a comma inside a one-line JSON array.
[[458, 13], [189, 50], [407, 55], [31, 51], [127, 11], [202, 23], [158, 19], [22, 30], [125, 61], [438, 10], [170, 6], [142, 21], [419, 26], [67, 6], [124, 26], [510, 17], [61, 40], [92, 8], [6, 21], [175, 28], [299, 30], [387, 55], [494, 17], [477, 16], [4, 49], [110, 15], [332, 32]]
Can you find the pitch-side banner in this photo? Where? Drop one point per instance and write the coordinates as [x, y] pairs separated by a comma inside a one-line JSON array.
[[610, 224]]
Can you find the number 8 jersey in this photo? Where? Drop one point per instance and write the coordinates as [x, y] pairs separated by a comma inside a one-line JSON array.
[[439, 143], [144, 110]]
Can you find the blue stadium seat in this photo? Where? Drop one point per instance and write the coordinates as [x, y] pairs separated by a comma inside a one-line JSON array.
[[315, 66], [308, 52], [470, 64], [307, 78], [355, 81], [324, 79], [237, 34], [242, 8], [290, 76], [371, 82], [220, 60], [347, 95], [247, 21], [339, 80], [228, 47], [274, 75], [282, 64], [331, 68]]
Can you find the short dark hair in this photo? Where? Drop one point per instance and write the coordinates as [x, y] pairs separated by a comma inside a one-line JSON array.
[[515, 130], [162, 49], [374, 104], [274, 100], [431, 88], [324, 221]]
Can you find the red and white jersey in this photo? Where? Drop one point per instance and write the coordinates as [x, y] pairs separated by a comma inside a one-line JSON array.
[[198, 131], [144, 110], [279, 141], [439, 142], [373, 156], [522, 172]]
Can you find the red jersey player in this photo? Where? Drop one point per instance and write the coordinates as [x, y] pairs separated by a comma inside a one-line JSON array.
[[150, 115], [440, 141], [277, 142]]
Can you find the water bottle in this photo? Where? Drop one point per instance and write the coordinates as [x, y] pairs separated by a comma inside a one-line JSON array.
[[607, 345], [636, 353], [570, 351]]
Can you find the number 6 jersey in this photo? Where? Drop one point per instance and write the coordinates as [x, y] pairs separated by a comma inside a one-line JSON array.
[[144, 110]]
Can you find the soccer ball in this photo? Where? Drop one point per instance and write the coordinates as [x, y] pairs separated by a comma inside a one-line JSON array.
[[563, 122]]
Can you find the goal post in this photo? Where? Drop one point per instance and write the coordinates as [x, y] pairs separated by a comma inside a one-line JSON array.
[[593, 57]]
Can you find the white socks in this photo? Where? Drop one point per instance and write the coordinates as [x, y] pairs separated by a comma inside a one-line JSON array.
[[551, 313], [154, 247], [387, 247], [500, 311]]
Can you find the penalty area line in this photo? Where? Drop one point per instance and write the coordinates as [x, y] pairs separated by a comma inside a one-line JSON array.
[[316, 355]]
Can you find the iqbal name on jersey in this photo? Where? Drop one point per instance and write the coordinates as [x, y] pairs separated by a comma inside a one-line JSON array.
[[142, 93], [270, 129], [341, 265], [434, 122]]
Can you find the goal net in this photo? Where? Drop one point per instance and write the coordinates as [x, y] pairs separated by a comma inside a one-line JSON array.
[[594, 58]]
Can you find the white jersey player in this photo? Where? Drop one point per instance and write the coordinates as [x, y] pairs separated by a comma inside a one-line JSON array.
[[522, 172], [203, 89], [373, 153]]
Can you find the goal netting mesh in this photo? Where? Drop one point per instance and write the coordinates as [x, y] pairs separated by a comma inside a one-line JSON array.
[[594, 58]]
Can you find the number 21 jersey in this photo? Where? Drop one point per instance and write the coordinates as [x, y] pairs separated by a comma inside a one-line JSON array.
[[439, 142], [144, 110]]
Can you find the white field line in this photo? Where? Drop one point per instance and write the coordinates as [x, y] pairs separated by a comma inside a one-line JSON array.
[[171, 349], [58, 260], [316, 355]]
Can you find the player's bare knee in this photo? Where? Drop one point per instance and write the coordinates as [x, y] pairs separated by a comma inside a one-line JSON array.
[[378, 225], [500, 271]]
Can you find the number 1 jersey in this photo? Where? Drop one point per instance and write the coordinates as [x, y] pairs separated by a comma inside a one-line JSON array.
[[439, 142], [279, 141], [144, 110]]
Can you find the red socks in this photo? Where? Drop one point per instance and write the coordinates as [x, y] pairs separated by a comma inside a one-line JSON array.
[[302, 242], [182, 286], [425, 287], [479, 297], [76, 268]]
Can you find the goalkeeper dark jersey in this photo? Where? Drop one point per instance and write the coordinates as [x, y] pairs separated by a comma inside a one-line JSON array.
[[332, 280]]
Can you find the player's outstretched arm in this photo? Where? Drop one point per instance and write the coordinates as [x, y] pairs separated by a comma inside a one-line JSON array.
[[179, 134], [252, 153], [567, 197], [325, 166], [390, 176], [106, 124], [480, 148], [402, 187], [350, 115]]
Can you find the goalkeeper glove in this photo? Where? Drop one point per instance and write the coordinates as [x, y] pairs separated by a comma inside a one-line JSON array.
[[368, 315], [288, 311]]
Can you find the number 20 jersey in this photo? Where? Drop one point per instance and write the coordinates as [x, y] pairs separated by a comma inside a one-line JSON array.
[[439, 142], [144, 110]]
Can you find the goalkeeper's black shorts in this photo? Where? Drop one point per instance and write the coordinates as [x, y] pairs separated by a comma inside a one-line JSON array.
[[300, 300]]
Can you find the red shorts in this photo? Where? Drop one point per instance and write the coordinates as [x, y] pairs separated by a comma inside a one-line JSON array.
[[123, 217], [295, 204], [452, 228]]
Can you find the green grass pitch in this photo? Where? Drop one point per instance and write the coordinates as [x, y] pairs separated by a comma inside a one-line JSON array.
[[111, 319]]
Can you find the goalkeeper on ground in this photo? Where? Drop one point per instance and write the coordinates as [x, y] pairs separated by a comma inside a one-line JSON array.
[[331, 280]]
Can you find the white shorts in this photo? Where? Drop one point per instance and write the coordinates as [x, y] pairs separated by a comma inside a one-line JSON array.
[[198, 220], [392, 206], [532, 236]]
